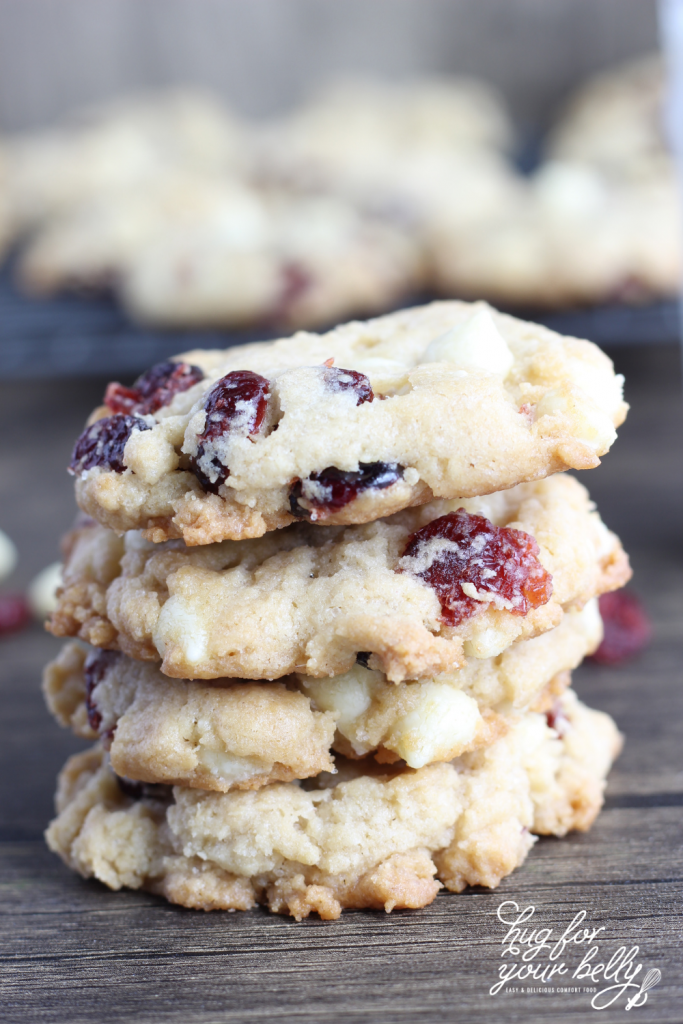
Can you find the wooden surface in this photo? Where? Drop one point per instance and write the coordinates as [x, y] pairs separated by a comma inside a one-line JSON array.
[[264, 55], [74, 952]]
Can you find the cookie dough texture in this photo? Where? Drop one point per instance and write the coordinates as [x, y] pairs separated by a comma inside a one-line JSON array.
[[213, 252], [126, 144], [308, 599], [615, 121], [474, 401], [246, 735], [366, 839], [356, 136], [240, 735]]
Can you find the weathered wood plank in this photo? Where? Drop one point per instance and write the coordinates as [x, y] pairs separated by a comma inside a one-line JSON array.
[[74, 952], [264, 56]]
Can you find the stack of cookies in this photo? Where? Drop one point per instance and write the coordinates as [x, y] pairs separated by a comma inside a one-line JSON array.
[[334, 587]]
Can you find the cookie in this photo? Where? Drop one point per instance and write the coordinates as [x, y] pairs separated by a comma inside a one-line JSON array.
[[193, 250], [234, 735], [365, 838], [615, 121], [356, 135], [414, 593], [320, 261], [444, 400], [246, 735], [575, 238], [93, 242], [130, 143]]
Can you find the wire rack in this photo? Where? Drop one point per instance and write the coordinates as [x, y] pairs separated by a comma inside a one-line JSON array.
[[84, 334]]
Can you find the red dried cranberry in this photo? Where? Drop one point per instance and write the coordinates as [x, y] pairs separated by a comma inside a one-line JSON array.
[[120, 399], [296, 281], [14, 613], [96, 665], [337, 379], [494, 559], [334, 488], [154, 389], [556, 719], [237, 404], [102, 443], [627, 628], [145, 790]]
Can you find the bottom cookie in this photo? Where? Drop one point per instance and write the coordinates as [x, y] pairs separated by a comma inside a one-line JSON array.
[[370, 836]]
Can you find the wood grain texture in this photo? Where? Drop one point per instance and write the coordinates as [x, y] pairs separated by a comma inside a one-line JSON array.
[[74, 952], [265, 55]]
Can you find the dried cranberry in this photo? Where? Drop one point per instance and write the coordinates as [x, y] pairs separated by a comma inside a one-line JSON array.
[[154, 389], [117, 398], [334, 488], [236, 404], [627, 628], [94, 670], [556, 719], [296, 281], [14, 613], [337, 379], [460, 548], [145, 790], [102, 443]]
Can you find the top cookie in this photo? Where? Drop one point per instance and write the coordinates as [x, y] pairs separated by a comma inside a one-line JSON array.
[[447, 400]]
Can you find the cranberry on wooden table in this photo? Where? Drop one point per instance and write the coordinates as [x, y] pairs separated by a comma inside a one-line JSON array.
[[627, 629], [15, 613], [463, 549]]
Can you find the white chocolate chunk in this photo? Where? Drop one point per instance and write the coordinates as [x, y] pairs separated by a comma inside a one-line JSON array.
[[228, 768], [8, 555], [605, 388], [476, 346], [570, 190], [176, 618], [488, 640], [441, 725], [592, 425], [349, 695], [42, 594]]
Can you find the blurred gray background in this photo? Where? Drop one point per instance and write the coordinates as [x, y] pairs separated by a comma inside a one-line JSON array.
[[263, 55]]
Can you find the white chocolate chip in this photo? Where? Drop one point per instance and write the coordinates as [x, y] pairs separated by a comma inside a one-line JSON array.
[[589, 423], [443, 723], [605, 388], [348, 695], [228, 768], [42, 594], [488, 640], [176, 619], [8, 555], [568, 190], [476, 346]]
